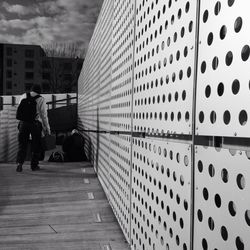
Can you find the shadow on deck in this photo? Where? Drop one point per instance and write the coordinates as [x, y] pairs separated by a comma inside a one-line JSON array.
[[62, 206]]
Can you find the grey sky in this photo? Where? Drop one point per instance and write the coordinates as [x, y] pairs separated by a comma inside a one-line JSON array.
[[46, 21]]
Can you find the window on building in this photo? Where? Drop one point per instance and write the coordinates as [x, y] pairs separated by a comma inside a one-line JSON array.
[[46, 76], [9, 84], [29, 75], [9, 62], [29, 53], [45, 64], [28, 86], [67, 77], [29, 64], [46, 87], [9, 51], [67, 66], [9, 73]]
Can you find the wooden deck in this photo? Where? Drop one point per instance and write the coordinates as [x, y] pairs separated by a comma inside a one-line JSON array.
[[62, 206]]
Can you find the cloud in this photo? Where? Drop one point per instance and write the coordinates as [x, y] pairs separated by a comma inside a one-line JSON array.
[[15, 24], [64, 21], [20, 9]]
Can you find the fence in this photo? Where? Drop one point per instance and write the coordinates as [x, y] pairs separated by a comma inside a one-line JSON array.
[[8, 122], [163, 106]]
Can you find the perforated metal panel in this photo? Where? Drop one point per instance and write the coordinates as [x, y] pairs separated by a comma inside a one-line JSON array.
[[120, 173], [223, 69], [104, 162], [122, 65], [164, 66], [161, 193], [222, 204]]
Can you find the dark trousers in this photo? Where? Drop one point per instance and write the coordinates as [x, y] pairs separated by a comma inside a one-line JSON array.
[[25, 130]]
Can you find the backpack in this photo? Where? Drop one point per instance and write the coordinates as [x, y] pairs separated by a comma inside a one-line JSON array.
[[26, 110], [56, 157]]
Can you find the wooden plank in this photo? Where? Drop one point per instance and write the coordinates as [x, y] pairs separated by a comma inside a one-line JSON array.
[[53, 209]]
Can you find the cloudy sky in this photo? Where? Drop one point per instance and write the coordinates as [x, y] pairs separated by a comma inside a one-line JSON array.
[[45, 21]]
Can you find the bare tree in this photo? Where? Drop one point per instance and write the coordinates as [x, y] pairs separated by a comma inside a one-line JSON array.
[[58, 55]]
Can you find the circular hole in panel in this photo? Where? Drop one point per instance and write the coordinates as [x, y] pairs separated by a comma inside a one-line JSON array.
[[179, 13], [201, 117], [177, 240], [207, 91], [238, 24], [185, 203], [232, 208], [210, 38], [189, 71], [230, 2], [241, 181], [184, 95], [190, 26], [243, 117], [217, 200], [205, 194], [211, 223], [247, 217], [211, 170], [187, 7], [200, 166], [229, 58], [182, 32], [200, 215], [245, 52], [239, 243], [180, 74], [185, 52], [217, 8], [226, 117], [223, 32], [213, 117], [205, 16], [187, 116], [235, 86], [182, 180], [224, 175], [224, 233], [203, 67], [204, 244], [186, 161], [220, 89], [184, 246], [215, 63], [181, 223]]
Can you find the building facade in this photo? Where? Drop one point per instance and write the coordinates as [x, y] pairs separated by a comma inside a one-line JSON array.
[[23, 65]]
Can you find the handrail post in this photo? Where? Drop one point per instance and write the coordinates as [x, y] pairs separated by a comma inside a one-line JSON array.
[[13, 100], [53, 102], [1, 103], [68, 100]]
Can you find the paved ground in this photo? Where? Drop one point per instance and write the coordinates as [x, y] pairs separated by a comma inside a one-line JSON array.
[[60, 207]]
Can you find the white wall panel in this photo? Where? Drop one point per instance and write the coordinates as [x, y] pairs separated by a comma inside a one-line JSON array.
[[223, 88], [164, 66], [122, 65], [222, 204], [161, 195]]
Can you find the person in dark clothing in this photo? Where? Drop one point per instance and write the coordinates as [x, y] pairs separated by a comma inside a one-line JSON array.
[[73, 147], [35, 127]]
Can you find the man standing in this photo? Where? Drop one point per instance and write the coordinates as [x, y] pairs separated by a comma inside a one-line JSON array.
[[32, 113]]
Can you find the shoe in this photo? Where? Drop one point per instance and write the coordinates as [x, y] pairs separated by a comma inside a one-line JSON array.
[[19, 168], [35, 168]]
